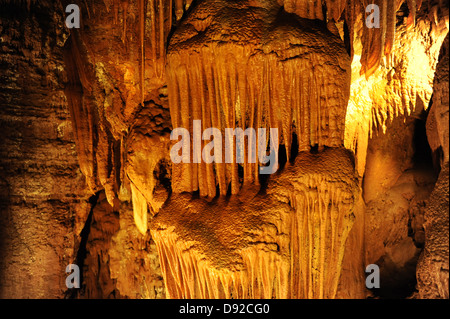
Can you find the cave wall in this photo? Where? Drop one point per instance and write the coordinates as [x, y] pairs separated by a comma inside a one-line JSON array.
[[433, 266], [86, 177], [118, 262], [42, 190], [50, 217]]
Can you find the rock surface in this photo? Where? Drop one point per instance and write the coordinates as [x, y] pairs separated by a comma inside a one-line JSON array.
[[42, 190], [86, 175]]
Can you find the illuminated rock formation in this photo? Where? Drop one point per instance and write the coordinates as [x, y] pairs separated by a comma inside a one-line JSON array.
[[433, 265], [275, 71], [400, 86], [362, 116], [148, 148], [271, 75], [287, 241]]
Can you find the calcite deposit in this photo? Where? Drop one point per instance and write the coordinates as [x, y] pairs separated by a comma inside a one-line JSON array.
[[356, 118], [285, 242], [278, 72]]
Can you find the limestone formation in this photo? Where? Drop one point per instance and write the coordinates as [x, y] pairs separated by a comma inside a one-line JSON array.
[[274, 74], [88, 177], [286, 242]]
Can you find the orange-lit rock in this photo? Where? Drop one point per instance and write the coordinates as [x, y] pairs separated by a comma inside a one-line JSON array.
[[362, 116], [276, 71], [287, 241], [400, 85]]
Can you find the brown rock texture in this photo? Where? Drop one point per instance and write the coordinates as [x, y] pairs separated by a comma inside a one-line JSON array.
[[119, 262], [398, 181], [437, 122], [433, 268], [275, 72], [42, 189], [285, 242], [87, 175]]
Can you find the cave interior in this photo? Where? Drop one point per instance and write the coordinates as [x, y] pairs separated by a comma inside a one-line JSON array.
[[116, 157]]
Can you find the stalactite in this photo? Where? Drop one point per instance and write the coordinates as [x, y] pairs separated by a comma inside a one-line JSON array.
[[161, 19], [82, 111], [412, 6], [179, 9], [162, 38], [304, 9], [105, 166], [242, 86], [290, 245], [81, 116], [153, 28], [398, 87], [87, 9], [140, 210], [335, 9], [141, 46], [116, 11], [350, 13], [125, 15], [390, 27], [373, 40], [378, 42]]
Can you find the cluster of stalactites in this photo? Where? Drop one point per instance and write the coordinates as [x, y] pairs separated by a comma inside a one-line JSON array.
[[188, 275], [305, 261], [229, 87], [100, 153], [155, 19], [319, 230], [377, 42], [315, 9]]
